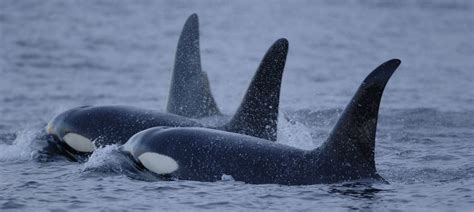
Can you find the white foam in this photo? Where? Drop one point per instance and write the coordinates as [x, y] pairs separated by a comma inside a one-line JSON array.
[[102, 156], [294, 134], [226, 177], [22, 148], [158, 163]]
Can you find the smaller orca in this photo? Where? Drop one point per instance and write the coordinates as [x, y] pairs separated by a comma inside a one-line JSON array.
[[77, 132], [206, 155]]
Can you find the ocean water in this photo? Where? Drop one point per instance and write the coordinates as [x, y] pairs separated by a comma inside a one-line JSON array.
[[57, 54]]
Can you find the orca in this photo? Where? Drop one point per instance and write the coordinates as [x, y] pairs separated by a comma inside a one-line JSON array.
[[79, 131], [193, 153]]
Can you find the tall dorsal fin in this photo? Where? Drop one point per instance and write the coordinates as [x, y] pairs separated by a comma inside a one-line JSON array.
[[258, 113], [352, 141], [190, 94]]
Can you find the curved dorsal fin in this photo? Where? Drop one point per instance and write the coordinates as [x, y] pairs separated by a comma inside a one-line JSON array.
[[258, 113], [352, 140], [190, 94]]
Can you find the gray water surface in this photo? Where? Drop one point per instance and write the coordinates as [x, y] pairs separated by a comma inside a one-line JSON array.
[[60, 54]]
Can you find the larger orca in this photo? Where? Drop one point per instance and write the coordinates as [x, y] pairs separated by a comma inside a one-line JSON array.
[[206, 155], [80, 130]]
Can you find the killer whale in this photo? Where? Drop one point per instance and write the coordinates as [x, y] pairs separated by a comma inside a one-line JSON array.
[[206, 155], [78, 131]]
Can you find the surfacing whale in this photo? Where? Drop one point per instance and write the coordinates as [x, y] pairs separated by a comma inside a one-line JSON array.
[[206, 155], [78, 131]]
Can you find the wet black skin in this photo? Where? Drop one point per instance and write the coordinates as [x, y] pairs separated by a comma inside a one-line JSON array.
[[206, 155], [106, 125], [347, 154], [113, 124]]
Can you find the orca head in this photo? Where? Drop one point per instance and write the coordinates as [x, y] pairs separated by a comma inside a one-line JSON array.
[[71, 131], [85, 128], [144, 151]]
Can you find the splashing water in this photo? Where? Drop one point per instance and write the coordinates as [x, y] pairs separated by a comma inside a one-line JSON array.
[[293, 133], [22, 148], [103, 158]]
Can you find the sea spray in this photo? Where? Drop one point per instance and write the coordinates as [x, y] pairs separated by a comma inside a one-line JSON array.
[[104, 159], [294, 133], [22, 148]]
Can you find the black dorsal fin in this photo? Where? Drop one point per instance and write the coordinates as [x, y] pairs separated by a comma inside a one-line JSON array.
[[258, 113], [352, 141], [190, 94]]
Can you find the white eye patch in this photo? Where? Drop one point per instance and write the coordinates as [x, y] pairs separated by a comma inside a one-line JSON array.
[[79, 142], [158, 163]]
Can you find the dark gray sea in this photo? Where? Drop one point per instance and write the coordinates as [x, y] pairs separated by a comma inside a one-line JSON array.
[[58, 54]]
